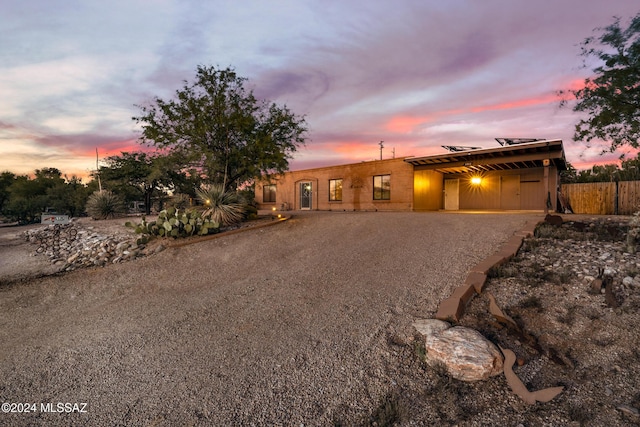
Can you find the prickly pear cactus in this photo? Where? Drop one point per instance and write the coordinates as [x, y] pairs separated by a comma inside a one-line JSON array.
[[175, 223]]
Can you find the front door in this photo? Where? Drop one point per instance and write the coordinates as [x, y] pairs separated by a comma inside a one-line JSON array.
[[451, 194], [305, 195]]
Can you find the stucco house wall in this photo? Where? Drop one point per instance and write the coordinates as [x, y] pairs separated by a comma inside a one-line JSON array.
[[357, 187], [515, 189]]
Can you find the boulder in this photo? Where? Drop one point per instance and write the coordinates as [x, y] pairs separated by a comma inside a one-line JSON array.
[[466, 354], [427, 327]]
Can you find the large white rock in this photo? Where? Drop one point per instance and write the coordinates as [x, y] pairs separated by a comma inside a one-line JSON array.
[[466, 354]]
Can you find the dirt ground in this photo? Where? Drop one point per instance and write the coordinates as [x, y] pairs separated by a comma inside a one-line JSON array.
[[304, 323]]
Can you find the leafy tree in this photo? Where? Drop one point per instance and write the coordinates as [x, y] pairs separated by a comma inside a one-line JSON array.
[[611, 97], [628, 170], [219, 128], [27, 199], [68, 197], [6, 179], [138, 176], [599, 173], [23, 199]]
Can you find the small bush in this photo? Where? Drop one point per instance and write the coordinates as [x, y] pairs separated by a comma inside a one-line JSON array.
[[570, 316], [179, 201], [532, 302], [550, 231], [503, 270], [105, 205], [389, 412], [419, 347], [580, 413], [529, 245]]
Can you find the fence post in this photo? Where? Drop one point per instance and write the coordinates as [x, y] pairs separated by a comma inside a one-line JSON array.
[[615, 200]]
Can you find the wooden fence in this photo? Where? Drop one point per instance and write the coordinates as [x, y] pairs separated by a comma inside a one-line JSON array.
[[603, 198]]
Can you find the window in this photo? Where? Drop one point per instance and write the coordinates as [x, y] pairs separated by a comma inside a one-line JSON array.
[[335, 190], [269, 193], [382, 187]]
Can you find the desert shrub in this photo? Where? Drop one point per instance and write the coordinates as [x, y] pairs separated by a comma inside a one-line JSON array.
[[389, 412], [633, 235], [551, 231], [546, 275], [248, 199], [569, 316], [419, 347], [532, 301], [224, 207], [503, 270], [580, 413], [105, 205], [529, 245], [179, 201]]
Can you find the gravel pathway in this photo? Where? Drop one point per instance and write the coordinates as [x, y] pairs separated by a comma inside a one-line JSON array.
[[287, 325]]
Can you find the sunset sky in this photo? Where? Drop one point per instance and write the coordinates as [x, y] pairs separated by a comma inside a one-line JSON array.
[[416, 74]]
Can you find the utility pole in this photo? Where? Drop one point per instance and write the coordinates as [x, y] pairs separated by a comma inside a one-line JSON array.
[[98, 171], [381, 147], [393, 150]]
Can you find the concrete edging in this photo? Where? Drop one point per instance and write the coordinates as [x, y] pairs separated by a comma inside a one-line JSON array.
[[452, 308]]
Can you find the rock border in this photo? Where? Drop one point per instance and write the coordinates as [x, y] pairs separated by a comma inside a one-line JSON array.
[[452, 308]]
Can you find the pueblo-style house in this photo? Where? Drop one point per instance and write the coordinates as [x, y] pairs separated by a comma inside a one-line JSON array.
[[520, 174]]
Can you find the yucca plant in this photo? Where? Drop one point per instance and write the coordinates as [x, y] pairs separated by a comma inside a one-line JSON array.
[[224, 207], [105, 205]]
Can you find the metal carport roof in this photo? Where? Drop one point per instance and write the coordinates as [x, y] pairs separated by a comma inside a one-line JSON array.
[[519, 156]]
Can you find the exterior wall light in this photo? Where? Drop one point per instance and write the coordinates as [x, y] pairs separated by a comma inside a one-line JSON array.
[[476, 180]]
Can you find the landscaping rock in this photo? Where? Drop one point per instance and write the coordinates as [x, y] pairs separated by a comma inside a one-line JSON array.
[[428, 327], [72, 246], [466, 354]]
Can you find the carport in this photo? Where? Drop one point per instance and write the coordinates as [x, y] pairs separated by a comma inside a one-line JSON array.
[[515, 176]]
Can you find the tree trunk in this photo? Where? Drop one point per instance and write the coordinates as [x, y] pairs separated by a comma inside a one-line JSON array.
[[147, 201]]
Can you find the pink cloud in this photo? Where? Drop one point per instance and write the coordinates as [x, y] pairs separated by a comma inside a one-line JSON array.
[[520, 103], [404, 124]]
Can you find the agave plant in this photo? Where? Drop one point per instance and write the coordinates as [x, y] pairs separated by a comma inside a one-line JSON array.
[[105, 205], [222, 206]]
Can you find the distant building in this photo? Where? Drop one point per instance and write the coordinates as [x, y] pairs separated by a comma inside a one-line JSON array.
[[523, 176]]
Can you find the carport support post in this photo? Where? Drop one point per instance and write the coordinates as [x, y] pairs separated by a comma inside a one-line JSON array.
[[546, 184]]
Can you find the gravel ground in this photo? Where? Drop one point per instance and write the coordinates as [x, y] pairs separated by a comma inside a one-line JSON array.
[[304, 323], [575, 336]]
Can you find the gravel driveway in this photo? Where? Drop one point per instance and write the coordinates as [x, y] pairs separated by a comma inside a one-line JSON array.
[[307, 322]]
